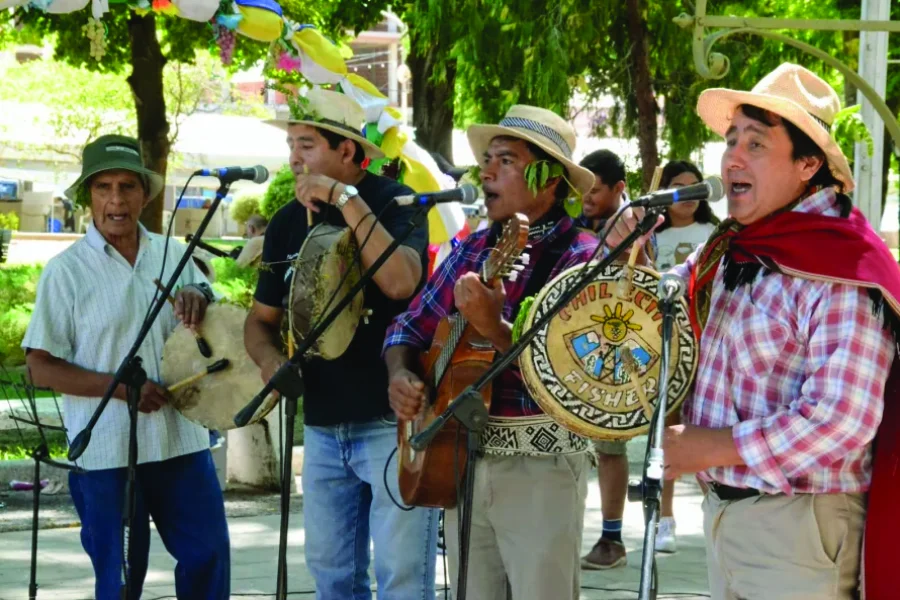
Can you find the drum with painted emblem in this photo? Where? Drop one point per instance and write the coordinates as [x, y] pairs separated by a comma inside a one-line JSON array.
[[595, 366]]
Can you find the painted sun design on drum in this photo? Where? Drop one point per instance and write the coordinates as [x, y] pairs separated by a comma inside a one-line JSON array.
[[615, 324]]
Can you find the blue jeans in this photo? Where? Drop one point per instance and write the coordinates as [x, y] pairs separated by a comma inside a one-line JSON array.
[[184, 498], [345, 503]]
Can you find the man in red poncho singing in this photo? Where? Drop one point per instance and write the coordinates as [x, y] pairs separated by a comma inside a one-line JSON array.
[[793, 419]]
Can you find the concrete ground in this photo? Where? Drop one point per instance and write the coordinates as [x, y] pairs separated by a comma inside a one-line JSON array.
[[64, 571]]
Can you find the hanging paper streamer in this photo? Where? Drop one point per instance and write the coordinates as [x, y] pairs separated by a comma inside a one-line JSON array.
[[61, 7], [197, 10], [262, 20]]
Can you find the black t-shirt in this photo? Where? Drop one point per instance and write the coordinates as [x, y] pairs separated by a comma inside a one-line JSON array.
[[353, 387]]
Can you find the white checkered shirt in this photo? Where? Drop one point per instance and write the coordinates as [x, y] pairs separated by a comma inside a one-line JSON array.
[[89, 307], [797, 369]]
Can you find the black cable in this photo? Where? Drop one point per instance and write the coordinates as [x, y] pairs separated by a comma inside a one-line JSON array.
[[388, 488], [162, 270]]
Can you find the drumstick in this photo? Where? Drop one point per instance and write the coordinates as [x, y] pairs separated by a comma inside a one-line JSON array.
[[202, 344], [630, 365], [624, 287], [219, 365], [309, 215]]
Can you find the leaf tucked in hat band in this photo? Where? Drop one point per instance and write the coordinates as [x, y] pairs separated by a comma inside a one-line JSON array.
[[541, 129]]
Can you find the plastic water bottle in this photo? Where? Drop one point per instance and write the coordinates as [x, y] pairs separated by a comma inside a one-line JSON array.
[[24, 486]]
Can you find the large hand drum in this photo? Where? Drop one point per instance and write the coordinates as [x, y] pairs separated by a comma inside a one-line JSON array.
[[595, 366], [213, 400], [324, 272]]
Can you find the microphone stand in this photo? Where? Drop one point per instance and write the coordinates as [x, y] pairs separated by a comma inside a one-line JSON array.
[[649, 489], [463, 406], [288, 381], [132, 374]]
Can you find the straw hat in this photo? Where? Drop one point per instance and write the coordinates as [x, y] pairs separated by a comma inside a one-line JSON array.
[[543, 128], [331, 111], [793, 93], [114, 152]]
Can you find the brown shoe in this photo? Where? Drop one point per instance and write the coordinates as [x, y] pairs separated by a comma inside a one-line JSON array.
[[606, 554]]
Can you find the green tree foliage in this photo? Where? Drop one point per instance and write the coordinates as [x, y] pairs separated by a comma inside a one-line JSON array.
[[86, 104], [244, 206], [139, 47], [279, 193]]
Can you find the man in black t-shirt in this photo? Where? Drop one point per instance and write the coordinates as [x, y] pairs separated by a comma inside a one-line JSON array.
[[349, 428]]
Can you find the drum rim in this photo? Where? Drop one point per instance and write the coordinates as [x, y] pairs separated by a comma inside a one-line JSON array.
[[553, 408]]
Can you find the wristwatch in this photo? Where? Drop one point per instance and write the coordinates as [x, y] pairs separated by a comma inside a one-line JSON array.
[[344, 198], [206, 290]]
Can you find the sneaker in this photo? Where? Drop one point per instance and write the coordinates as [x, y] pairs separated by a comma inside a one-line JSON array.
[[665, 535], [606, 554]]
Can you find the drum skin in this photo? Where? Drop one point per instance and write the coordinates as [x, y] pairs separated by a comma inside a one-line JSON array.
[[324, 273], [214, 400], [573, 367]]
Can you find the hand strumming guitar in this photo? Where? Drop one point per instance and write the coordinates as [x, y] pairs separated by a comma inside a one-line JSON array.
[[482, 307], [406, 394]]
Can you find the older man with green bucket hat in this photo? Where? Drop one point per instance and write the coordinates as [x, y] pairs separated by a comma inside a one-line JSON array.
[[91, 302]]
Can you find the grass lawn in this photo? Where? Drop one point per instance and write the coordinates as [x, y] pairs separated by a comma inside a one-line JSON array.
[[16, 444]]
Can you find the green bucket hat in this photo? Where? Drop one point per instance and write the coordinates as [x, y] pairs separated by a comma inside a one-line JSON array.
[[111, 152]]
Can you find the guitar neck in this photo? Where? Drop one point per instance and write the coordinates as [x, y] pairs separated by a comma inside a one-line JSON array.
[[443, 361]]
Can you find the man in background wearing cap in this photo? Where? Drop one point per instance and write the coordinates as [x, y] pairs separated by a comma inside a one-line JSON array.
[[350, 431], [794, 299], [90, 305], [528, 503]]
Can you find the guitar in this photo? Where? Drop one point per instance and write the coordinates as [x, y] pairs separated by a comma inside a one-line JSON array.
[[457, 358]]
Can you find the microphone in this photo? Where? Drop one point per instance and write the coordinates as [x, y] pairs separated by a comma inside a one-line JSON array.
[[671, 287], [466, 193], [257, 174], [710, 189]]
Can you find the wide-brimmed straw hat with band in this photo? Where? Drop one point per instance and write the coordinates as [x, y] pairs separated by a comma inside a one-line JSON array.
[[333, 112], [111, 153], [543, 128], [793, 93]]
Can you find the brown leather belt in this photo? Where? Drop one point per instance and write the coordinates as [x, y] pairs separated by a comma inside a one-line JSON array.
[[726, 492]]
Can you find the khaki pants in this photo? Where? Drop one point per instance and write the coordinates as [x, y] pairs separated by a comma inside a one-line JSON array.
[[526, 528], [802, 547]]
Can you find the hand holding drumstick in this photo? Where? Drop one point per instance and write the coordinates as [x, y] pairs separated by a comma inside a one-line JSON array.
[[631, 368], [202, 344]]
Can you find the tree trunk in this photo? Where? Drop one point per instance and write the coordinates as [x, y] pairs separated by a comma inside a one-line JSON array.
[[643, 91], [146, 81], [432, 102]]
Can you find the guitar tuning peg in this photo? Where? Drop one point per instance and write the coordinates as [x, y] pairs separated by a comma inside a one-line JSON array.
[[513, 276], [526, 259], [519, 268]]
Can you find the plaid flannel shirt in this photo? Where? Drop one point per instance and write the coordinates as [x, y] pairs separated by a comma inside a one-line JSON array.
[[416, 327], [797, 370]]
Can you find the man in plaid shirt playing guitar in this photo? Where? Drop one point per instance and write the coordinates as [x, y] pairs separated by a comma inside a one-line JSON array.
[[794, 300], [529, 497]]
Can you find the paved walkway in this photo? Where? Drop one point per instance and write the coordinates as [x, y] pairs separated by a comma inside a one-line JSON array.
[[64, 571]]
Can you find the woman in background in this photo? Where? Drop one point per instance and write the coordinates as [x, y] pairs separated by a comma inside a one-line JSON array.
[[687, 224]]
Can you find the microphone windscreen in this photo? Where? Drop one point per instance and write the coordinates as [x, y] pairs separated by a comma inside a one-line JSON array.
[[261, 174], [716, 188]]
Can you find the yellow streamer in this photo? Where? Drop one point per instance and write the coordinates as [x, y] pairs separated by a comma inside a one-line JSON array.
[[365, 85], [320, 50]]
